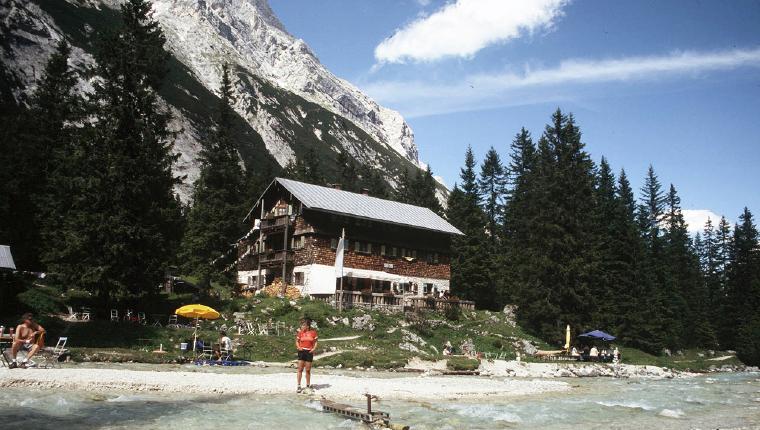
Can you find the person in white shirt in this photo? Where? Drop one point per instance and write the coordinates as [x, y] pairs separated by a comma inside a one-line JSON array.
[[225, 344], [594, 353]]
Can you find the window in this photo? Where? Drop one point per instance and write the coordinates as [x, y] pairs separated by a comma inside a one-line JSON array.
[[432, 257], [382, 249], [363, 247], [333, 243], [392, 251], [298, 242], [298, 278], [409, 253]]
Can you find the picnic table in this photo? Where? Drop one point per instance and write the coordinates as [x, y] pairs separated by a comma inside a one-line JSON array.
[[6, 340]]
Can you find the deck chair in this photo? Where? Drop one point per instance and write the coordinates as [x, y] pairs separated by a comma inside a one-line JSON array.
[[114, 315], [207, 353], [52, 357], [141, 318], [172, 321], [73, 316], [128, 315], [225, 355], [85, 315]]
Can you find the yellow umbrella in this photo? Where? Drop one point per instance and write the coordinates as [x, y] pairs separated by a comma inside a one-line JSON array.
[[197, 312], [567, 339]]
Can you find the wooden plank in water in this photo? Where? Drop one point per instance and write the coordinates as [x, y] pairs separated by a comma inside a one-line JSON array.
[[353, 413]]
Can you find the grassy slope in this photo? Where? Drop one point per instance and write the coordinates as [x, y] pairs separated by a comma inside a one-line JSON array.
[[105, 341]]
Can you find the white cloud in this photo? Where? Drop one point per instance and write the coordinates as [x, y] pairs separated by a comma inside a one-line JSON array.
[[464, 27], [696, 219], [417, 98]]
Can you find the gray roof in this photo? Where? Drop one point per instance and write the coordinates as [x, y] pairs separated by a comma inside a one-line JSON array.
[[361, 206], [6, 259]]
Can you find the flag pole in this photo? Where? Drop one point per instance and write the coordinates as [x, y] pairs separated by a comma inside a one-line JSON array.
[[340, 293]]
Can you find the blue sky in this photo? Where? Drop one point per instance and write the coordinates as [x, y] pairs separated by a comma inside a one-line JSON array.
[[671, 83]]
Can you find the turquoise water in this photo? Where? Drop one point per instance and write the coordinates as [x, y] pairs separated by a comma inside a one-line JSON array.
[[714, 401]]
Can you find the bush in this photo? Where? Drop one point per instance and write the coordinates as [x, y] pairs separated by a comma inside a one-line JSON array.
[[462, 363], [41, 300], [316, 311], [453, 313], [283, 309], [748, 343]]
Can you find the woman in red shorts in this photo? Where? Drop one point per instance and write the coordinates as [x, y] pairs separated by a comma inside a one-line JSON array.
[[306, 343]]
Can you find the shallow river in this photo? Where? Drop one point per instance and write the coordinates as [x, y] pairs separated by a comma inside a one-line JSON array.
[[714, 401]]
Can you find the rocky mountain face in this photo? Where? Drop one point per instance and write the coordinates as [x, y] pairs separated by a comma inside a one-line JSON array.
[[287, 102]]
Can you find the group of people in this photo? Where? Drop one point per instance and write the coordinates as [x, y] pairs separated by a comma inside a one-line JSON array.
[[29, 336], [592, 353], [222, 349]]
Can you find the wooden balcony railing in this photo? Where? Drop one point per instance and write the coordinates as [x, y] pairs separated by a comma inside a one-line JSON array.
[[270, 224]]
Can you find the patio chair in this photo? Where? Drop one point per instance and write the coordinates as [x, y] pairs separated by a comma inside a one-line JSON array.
[[207, 353], [114, 315], [172, 323], [85, 315], [128, 315], [225, 354], [141, 318], [73, 316], [52, 357], [156, 320]]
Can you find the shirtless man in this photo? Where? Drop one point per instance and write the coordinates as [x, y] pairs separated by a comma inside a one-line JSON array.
[[29, 336]]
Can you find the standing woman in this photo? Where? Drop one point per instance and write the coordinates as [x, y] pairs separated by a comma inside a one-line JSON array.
[[306, 343]]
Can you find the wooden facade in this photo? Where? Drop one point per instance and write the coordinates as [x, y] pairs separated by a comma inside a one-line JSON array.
[[298, 244]]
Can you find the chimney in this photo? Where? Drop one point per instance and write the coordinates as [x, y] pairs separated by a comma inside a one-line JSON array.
[[365, 191]]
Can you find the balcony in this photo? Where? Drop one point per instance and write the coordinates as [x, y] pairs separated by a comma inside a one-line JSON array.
[[274, 258], [273, 225]]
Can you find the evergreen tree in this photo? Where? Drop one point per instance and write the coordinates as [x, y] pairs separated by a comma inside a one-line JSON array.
[[425, 187], [405, 190], [125, 220], [685, 294], [469, 269], [38, 142], [743, 290], [213, 223], [638, 308], [373, 182], [558, 263], [518, 211], [492, 183], [305, 169], [347, 175], [711, 268]]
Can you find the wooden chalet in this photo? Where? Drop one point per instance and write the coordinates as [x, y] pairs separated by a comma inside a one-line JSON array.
[[395, 255]]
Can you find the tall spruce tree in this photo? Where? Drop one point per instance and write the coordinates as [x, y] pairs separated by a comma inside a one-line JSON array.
[[214, 220], [742, 298], [518, 211], [711, 269], [347, 175], [492, 183], [469, 270], [639, 318], [556, 272], [125, 223], [38, 144], [686, 295]]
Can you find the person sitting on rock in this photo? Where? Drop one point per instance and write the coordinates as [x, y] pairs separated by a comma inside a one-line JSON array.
[[30, 337]]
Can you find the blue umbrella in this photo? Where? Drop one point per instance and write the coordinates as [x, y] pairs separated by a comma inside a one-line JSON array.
[[598, 334]]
